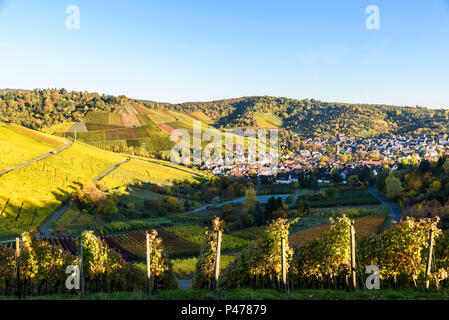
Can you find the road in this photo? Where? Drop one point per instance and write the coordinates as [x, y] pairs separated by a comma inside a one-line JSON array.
[[295, 197], [395, 210], [263, 199], [24, 164], [45, 229], [185, 284], [109, 170]]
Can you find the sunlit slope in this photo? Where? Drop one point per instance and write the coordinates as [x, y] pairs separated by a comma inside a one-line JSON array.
[[137, 129], [42, 186], [18, 144], [154, 171], [124, 131], [267, 120], [171, 120]]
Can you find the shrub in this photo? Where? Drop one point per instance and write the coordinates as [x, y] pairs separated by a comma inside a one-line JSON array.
[[205, 267]]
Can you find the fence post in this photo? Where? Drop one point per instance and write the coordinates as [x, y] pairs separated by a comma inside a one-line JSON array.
[[148, 263], [18, 282], [284, 265], [429, 260], [81, 266], [353, 261], [217, 259]]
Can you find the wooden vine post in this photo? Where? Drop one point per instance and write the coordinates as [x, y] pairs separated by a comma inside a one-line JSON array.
[[81, 268], [17, 256], [217, 258], [429, 260], [148, 262], [284, 265], [353, 261]]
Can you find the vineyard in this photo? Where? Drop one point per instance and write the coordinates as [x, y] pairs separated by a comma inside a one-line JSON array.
[[331, 260], [30, 194], [348, 197], [119, 131], [134, 243]]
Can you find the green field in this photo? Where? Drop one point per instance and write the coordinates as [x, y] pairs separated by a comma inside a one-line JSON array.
[[259, 294], [185, 267], [196, 234]]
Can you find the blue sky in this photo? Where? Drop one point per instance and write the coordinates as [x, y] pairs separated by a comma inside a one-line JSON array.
[[176, 51]]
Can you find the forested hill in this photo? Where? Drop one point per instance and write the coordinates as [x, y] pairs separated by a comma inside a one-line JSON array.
[[313, 117], [40, 109]]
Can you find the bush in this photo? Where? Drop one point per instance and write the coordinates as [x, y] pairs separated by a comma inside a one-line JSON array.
[[205, 266], [261, 260]]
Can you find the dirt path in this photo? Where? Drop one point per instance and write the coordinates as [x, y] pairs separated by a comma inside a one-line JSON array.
[[24, 164], [295, 197], [45, 230], [109, 170], [395, 210]]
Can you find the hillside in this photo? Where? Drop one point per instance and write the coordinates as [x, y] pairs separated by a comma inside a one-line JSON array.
[[29, 194], [18, 144], [124, 124], [316, 118]]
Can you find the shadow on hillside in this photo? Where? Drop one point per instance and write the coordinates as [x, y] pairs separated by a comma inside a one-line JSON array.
[[17, 218]]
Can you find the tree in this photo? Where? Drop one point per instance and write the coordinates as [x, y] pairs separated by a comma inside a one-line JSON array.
[[303, 208], [330, 193], [446, 166], [279, 213], [250, 200], [381, 179], [270, 207], [366, 174], [314, 184], [258, 214], [393, 186], [336, 176], [424, 166]]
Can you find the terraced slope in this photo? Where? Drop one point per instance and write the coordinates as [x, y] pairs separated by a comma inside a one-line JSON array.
[[124, 131]]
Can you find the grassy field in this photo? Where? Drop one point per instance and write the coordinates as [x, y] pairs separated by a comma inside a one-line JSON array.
[[154, 171], [41, 187], [19, 144], [260, 294], [267, 120], [185, 267], [196, 234]]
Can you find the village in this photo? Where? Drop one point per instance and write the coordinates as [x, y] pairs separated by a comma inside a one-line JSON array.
[[345, 156]]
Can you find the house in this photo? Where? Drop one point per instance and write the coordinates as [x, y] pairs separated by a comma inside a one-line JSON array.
[[283, 178]]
